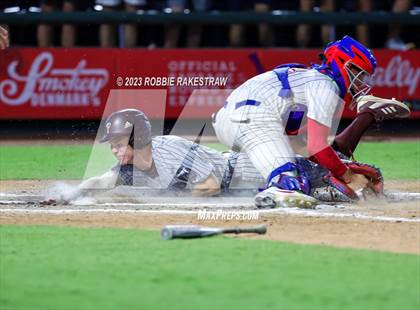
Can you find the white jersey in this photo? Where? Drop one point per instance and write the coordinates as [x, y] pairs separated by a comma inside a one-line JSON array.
[[179, 164], [254, 117], [317, 92]]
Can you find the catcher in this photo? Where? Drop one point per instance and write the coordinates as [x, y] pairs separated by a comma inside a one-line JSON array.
[[326, 187], [257, 113]]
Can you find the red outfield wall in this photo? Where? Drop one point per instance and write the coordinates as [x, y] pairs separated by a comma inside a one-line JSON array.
[[75, 83]]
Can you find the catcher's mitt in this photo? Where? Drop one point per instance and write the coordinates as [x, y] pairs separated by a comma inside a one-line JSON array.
[[382, 108], [338, 191]]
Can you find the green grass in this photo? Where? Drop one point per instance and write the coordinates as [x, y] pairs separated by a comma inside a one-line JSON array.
[[46, 267], [397, 160], [51, 161]]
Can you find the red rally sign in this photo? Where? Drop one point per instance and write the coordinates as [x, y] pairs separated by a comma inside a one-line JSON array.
[[75, 83]]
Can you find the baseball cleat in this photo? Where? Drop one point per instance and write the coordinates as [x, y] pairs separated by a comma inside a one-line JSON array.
[[274, 197], [382, 108]]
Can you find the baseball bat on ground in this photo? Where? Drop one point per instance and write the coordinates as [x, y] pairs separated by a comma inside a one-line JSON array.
[[195, 231]]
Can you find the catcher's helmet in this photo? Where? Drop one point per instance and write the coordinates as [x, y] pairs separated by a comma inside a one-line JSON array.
[[343, 55], [130, 123]]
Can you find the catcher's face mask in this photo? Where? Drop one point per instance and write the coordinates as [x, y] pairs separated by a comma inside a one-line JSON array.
[[359, 81]]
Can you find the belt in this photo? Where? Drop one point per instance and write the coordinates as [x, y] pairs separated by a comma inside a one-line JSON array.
[[243, 103]]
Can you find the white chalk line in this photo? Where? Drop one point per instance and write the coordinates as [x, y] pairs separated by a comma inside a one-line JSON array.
[[314, 213], [413, 195], [288, 211], [13, 202], [9, 195], [176, 205], [16, 195], [78, 211]]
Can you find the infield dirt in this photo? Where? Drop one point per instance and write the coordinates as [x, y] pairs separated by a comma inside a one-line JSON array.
[[369, 233]]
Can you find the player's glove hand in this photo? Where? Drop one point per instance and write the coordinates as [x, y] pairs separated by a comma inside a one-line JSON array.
[[339, 190], [357, 182], [373, 174]]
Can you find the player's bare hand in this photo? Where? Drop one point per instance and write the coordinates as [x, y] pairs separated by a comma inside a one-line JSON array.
[[200, 191], [4, 38], [209, 187]]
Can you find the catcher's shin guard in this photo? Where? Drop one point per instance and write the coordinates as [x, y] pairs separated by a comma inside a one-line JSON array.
[[289, 177]]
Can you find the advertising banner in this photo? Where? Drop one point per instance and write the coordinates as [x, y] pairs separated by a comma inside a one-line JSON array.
[[75, 83]]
